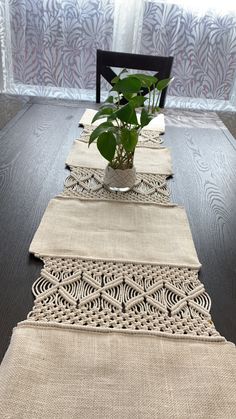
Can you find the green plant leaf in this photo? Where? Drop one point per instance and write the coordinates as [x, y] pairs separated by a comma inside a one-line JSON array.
[[138, 101], [129, 139], [116, 78], [156, 109], [163, 83], [128, 85], [128, 96], [110, 99], [126, 114], [115, 101], [108, 105], [106, 144], [145, 118], [104, 127], [102, 113], [147, 81]]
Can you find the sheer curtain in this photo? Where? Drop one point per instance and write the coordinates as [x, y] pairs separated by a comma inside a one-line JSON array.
[[202, 39], [48, 47]]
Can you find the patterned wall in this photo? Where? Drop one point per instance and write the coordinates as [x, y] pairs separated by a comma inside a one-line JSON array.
[[204, 48]]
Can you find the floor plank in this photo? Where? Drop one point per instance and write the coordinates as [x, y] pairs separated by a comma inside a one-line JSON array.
[[32, 154], [32, 171], [229, 119], [204, 161]]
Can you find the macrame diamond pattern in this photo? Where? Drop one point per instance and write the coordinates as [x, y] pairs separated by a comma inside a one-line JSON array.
[[88, 183], [122, 296]]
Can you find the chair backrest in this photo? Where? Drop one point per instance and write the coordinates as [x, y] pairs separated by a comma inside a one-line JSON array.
[[107, 59]]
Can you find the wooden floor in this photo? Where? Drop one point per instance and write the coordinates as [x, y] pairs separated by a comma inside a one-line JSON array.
[[33, 148]]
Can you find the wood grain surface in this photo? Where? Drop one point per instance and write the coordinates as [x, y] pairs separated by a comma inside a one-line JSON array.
[[204, 165], [32, 171], [33, 150]]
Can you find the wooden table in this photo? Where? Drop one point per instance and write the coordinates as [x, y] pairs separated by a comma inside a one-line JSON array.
[[33, 149]]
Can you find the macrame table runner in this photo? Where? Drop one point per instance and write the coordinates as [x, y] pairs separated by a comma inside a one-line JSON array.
[[121, 325]]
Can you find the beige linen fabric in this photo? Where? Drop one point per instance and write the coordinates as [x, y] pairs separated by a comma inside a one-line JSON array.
[[118, 231], [64, 373], [146, 160], [157, 123]]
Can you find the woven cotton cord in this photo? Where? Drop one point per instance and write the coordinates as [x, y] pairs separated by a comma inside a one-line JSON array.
[[128, 296], [88, 184]]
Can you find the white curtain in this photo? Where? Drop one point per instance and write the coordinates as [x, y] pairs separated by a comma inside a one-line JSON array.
[[128, 20], [202, 38], [48, 47]]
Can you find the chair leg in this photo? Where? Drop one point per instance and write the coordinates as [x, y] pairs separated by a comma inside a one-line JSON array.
[[98, 78], [163, 98], [98, 88]]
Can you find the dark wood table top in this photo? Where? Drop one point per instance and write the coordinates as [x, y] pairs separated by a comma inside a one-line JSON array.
[[33, 149]]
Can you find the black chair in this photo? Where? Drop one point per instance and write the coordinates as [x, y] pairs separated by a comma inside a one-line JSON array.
[[108, 59]]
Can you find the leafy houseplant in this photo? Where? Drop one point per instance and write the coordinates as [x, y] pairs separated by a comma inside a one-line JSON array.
[[117, 136]]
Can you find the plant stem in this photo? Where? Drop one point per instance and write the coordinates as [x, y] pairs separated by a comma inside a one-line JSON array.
[[153, 99], [149, 99], [157, 100]]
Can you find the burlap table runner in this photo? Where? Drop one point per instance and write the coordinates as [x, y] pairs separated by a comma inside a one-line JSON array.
[[62, 373], [120, 326], [159, 160], [117, 231]]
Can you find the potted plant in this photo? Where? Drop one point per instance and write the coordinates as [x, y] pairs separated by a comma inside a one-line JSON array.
[[117, 136]]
